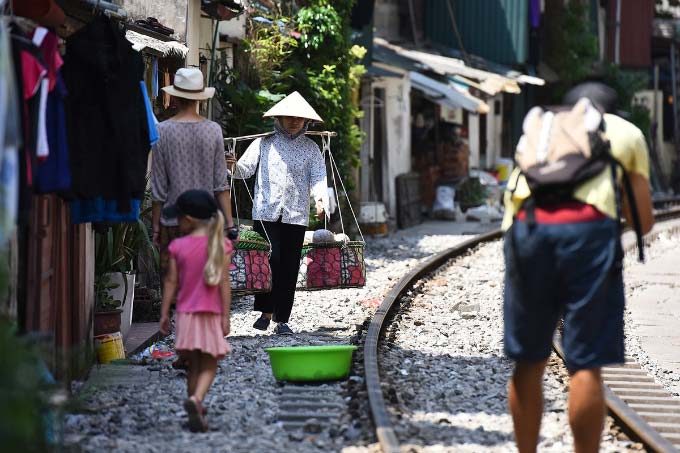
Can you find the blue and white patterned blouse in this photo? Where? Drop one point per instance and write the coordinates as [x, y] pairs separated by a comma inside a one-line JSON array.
[[290, 168]]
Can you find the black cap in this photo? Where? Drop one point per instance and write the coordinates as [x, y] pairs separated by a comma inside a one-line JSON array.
[[198, 204], [603, 96]]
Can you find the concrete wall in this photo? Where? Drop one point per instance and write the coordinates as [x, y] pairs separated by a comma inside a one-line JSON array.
[[398, 118], [494, 130], [171, 13]]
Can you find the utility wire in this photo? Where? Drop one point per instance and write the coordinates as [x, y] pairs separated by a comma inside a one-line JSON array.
[[455, 29]]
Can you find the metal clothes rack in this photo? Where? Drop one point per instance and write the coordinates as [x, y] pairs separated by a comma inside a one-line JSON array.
[[109, 9]]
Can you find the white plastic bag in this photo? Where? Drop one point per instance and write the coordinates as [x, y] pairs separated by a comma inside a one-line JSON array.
[[443, 207]]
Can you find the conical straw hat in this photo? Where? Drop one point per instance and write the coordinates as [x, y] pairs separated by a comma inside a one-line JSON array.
[[294, 105]]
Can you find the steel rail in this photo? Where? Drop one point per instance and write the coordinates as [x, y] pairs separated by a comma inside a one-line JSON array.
[[381, 419], [626, 416]]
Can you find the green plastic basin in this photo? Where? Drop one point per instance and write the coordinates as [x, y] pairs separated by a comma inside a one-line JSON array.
[[311, 363]]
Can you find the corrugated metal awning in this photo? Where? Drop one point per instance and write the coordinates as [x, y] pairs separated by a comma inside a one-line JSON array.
[[447, 95], [489, 82]]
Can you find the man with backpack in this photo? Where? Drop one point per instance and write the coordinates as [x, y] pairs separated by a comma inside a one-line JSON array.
[[579, 173]]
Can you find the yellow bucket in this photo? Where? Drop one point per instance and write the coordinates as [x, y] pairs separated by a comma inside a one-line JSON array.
[[109, 347]]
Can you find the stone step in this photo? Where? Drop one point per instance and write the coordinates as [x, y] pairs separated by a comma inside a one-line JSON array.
[[672, 428], [633, 385], [660, 392], [656, 408], [309, 405], [665, 400], [660, 417], [626, 378], [293, 416], [617, 370]]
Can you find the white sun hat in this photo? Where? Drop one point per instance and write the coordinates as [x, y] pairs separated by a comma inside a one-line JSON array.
[[188, 84], [294, 105]]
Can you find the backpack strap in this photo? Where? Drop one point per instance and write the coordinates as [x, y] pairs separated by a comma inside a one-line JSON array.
[[637, 225]]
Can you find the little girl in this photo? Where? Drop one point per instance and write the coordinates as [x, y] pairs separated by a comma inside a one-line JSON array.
[[198, 275]]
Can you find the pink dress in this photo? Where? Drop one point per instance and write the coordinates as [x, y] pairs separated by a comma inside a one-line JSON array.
[[198, 321]]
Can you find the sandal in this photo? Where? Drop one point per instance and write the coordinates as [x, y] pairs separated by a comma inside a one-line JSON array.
[[195, 412], [262, 323], [180, 364]]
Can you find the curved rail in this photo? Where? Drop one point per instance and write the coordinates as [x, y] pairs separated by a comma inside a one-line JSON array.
[[381, 419]]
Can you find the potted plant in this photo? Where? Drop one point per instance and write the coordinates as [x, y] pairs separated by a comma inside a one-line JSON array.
[[116, 249], [107, 309]]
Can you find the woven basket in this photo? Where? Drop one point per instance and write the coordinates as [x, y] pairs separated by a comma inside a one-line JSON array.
[[332, 265], [250, 272]]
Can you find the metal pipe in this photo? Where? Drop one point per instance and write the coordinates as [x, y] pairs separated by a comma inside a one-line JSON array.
[[412, 16], [617, 32], [106, 6], [213, 54]]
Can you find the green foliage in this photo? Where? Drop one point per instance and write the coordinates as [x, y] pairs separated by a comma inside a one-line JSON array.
[[320, 25], [269, 46], [242, 106], [323, 66], [626, 84], [574, 50], [116, 249], [470, 193], [102, 292], [118, 246], [22, 398], [4, 274]]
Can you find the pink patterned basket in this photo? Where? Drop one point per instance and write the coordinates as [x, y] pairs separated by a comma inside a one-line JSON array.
[[250, 272], [332, 265]]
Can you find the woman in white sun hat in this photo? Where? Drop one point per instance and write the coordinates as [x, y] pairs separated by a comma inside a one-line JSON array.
[[188, 156], [289, 167]]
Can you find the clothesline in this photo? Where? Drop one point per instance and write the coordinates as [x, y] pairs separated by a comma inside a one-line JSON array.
[[266, 134]]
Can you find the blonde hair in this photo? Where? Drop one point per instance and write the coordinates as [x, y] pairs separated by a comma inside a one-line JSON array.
[[212, 273]]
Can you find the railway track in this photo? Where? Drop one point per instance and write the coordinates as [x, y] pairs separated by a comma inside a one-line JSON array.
[[644, 410]]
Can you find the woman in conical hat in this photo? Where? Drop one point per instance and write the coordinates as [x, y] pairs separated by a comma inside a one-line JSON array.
[[289, 166]]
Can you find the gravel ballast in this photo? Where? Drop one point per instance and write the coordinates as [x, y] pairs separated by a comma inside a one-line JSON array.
[[445, 373], [666, 244], [141, 410]]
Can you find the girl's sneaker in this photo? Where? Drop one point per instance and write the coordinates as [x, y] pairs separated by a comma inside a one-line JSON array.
[[196, 413], [283, 329]]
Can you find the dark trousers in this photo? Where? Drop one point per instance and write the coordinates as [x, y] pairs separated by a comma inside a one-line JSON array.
[[286, 241]]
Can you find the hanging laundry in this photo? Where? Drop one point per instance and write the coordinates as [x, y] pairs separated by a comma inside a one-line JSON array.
[[10, 139], [154, 77], [150, 117], [42, 147], [108, 130], [54, 173], [29, 73], [166, 96], [100, 210], [148, 74]]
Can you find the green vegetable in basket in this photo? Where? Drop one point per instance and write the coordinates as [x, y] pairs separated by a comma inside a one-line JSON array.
[[251, 240]]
